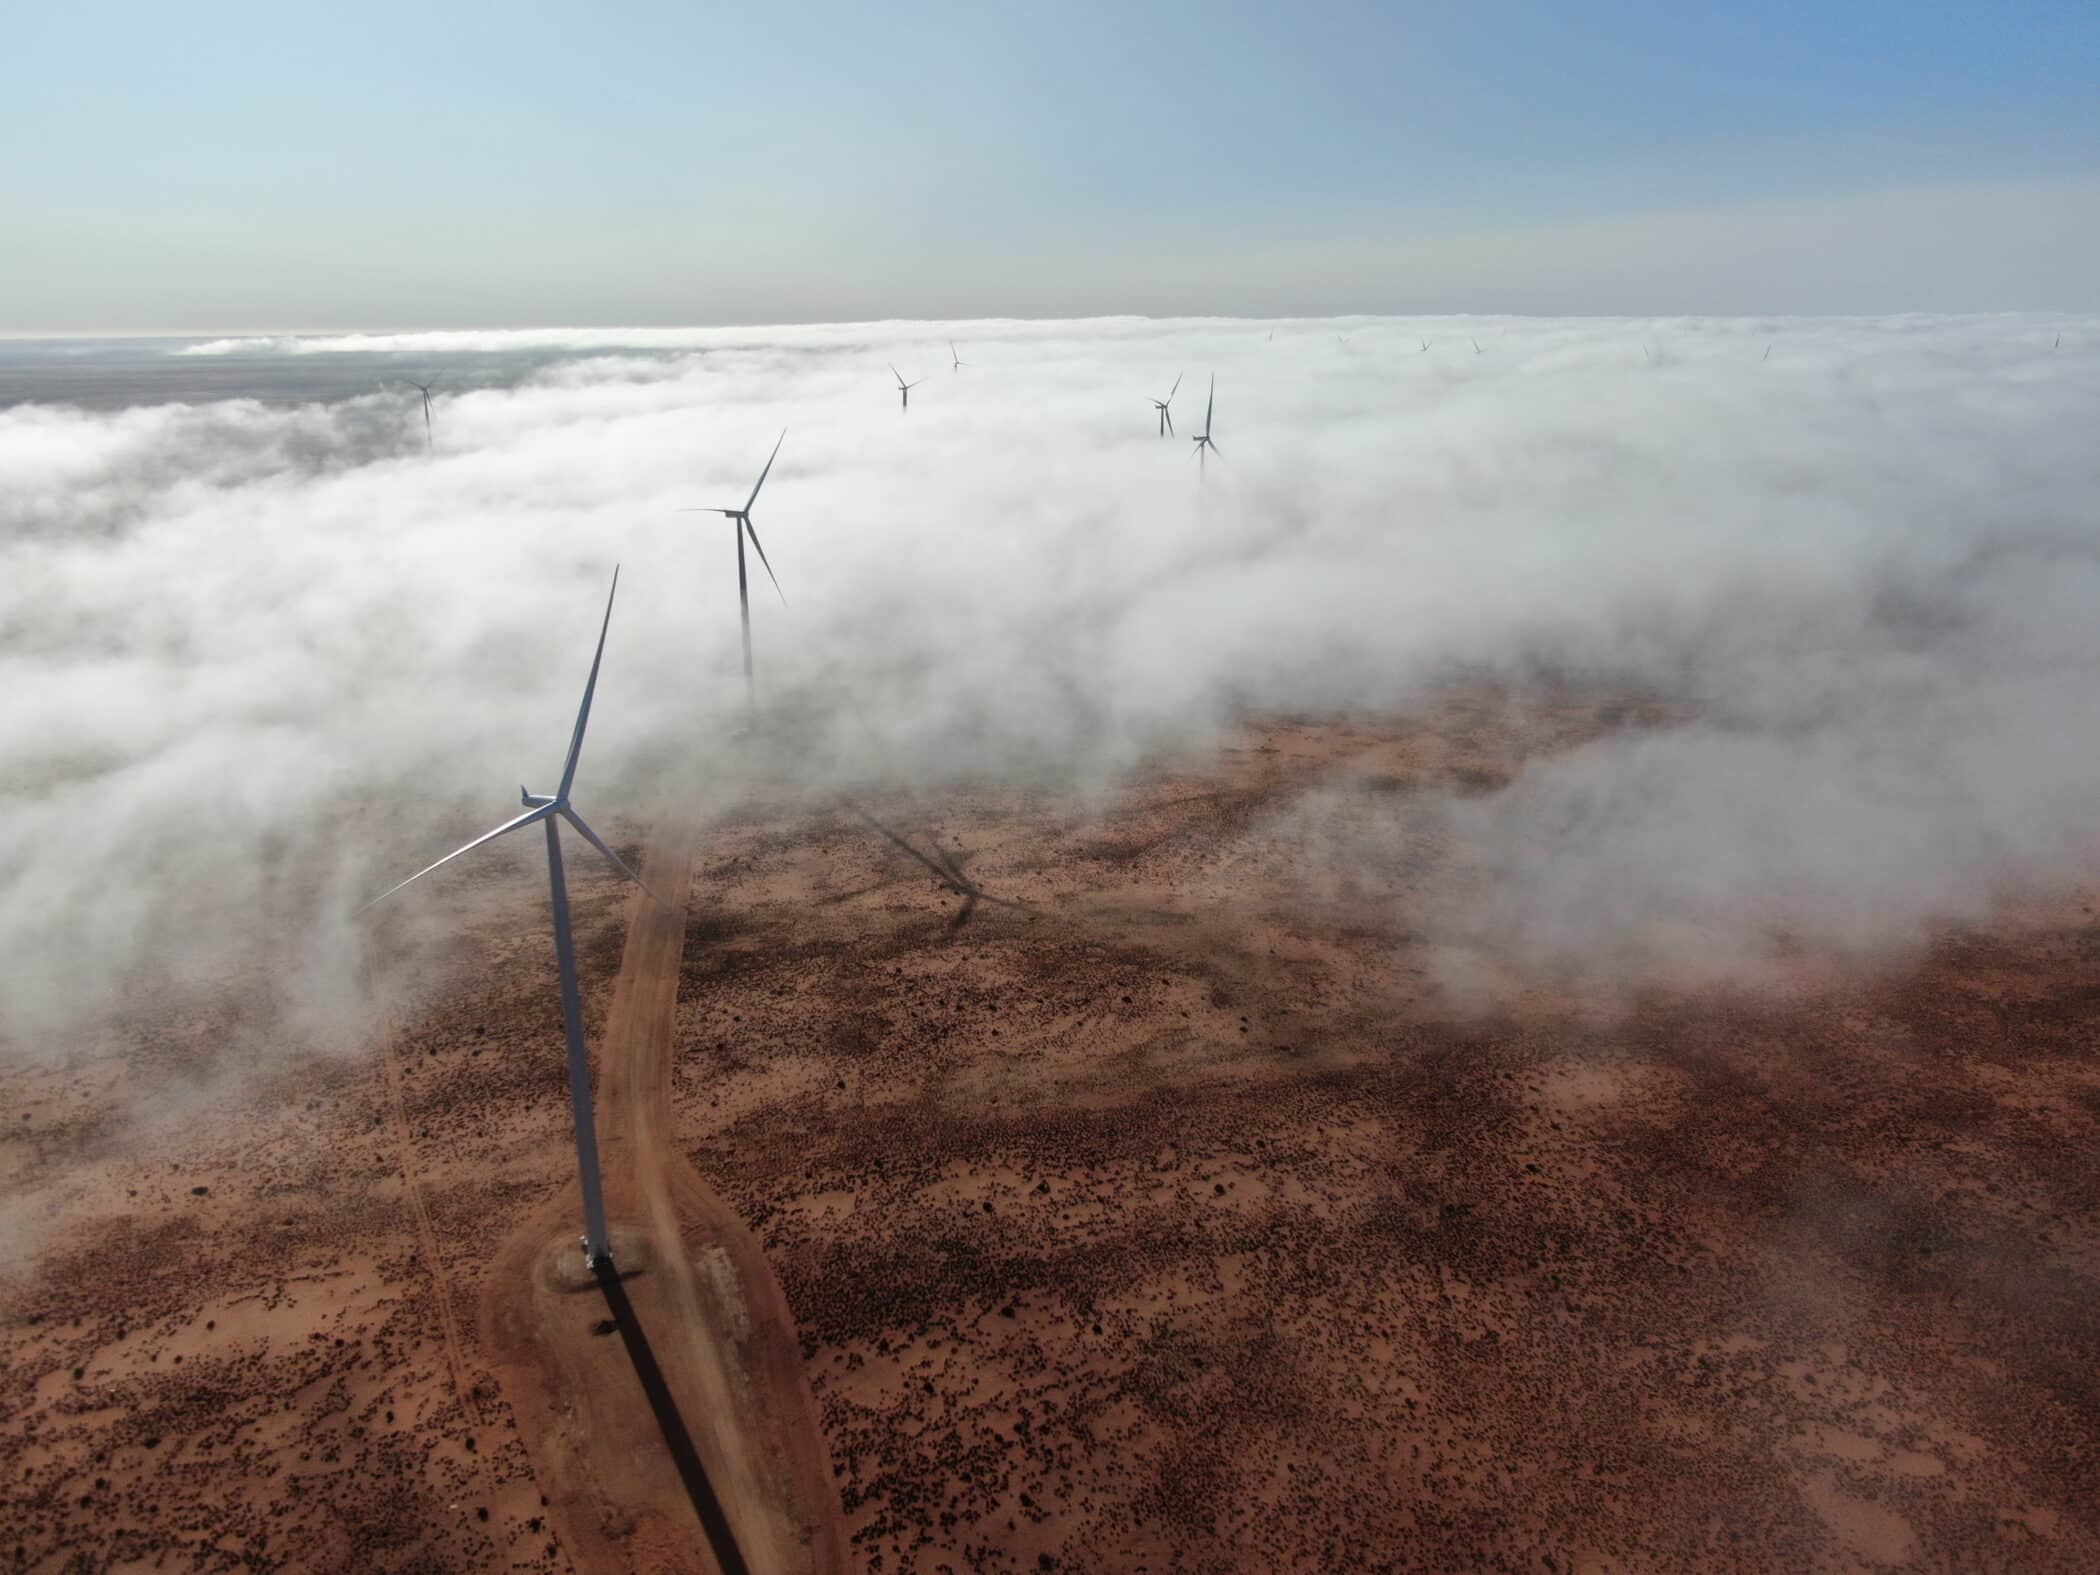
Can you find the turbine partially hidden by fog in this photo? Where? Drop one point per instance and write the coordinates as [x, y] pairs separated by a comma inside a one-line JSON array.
[[1164, 408], [1204, 446], [429, 432], [254, 657], [740, 522]]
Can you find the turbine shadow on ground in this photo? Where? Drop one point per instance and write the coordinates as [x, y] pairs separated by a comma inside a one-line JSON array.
[[721, 1540]]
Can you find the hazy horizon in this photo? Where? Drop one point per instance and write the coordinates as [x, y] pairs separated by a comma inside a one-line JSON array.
[[259, 332]]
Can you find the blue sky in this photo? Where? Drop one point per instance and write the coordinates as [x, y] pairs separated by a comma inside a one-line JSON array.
[[260, 166]]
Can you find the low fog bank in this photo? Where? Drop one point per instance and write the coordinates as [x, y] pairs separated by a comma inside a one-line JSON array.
[[258, 662]]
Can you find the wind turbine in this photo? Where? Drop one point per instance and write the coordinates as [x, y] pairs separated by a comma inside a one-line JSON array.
[[1425, 347], [547, 809], [741, 519], [1476, 348], [429, 441], [1203, 438], [903, 387], [1766, 356], [960, 363], [1166, 420]]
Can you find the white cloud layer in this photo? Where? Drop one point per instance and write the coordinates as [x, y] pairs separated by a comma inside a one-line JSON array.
[[258, 662]]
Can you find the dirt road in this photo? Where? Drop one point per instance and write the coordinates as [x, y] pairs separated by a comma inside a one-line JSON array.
[[664, 1404]]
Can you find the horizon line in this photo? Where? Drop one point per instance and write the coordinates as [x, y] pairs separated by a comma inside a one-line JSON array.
[[35, 335]]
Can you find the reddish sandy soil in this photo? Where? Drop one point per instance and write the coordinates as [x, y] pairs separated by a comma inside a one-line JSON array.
[[668, 1415], [1174, 1221]]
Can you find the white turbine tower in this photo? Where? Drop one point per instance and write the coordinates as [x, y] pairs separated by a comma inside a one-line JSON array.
[[547, 809], [1166, 420], [741, 520], [429, 438], [1203, 442]]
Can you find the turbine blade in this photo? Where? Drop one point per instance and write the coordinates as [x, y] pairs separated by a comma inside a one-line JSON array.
[[598, 842], [590, 687], [1168, 417], [526, 819], [753, 534], [1211, 403], [768, 470], [899, 376], [1178, 376]]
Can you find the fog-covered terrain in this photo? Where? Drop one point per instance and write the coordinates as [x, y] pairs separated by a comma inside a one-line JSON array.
[[261, 656]]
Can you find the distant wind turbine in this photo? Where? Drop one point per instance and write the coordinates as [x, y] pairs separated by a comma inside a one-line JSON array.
[[429, 440], [903, 387], [1166, 420], [960, 363], [547, 809], [1766, 356], [1476, 348], [1202, 440], [741, 519], [1425, 346]]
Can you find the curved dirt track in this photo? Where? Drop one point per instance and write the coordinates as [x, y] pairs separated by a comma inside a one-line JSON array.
[[666, 1412]]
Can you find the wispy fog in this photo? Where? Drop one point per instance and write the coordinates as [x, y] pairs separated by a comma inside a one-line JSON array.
[[259, 660]]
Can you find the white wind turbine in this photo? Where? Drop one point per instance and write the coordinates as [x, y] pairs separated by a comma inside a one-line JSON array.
[[741, 520], [429, 439], [1202, 439], [960, 363], [1166, 420], [905, 388], [546, 809]]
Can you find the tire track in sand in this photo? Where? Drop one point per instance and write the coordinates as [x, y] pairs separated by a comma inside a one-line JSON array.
[[448, 1321]]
